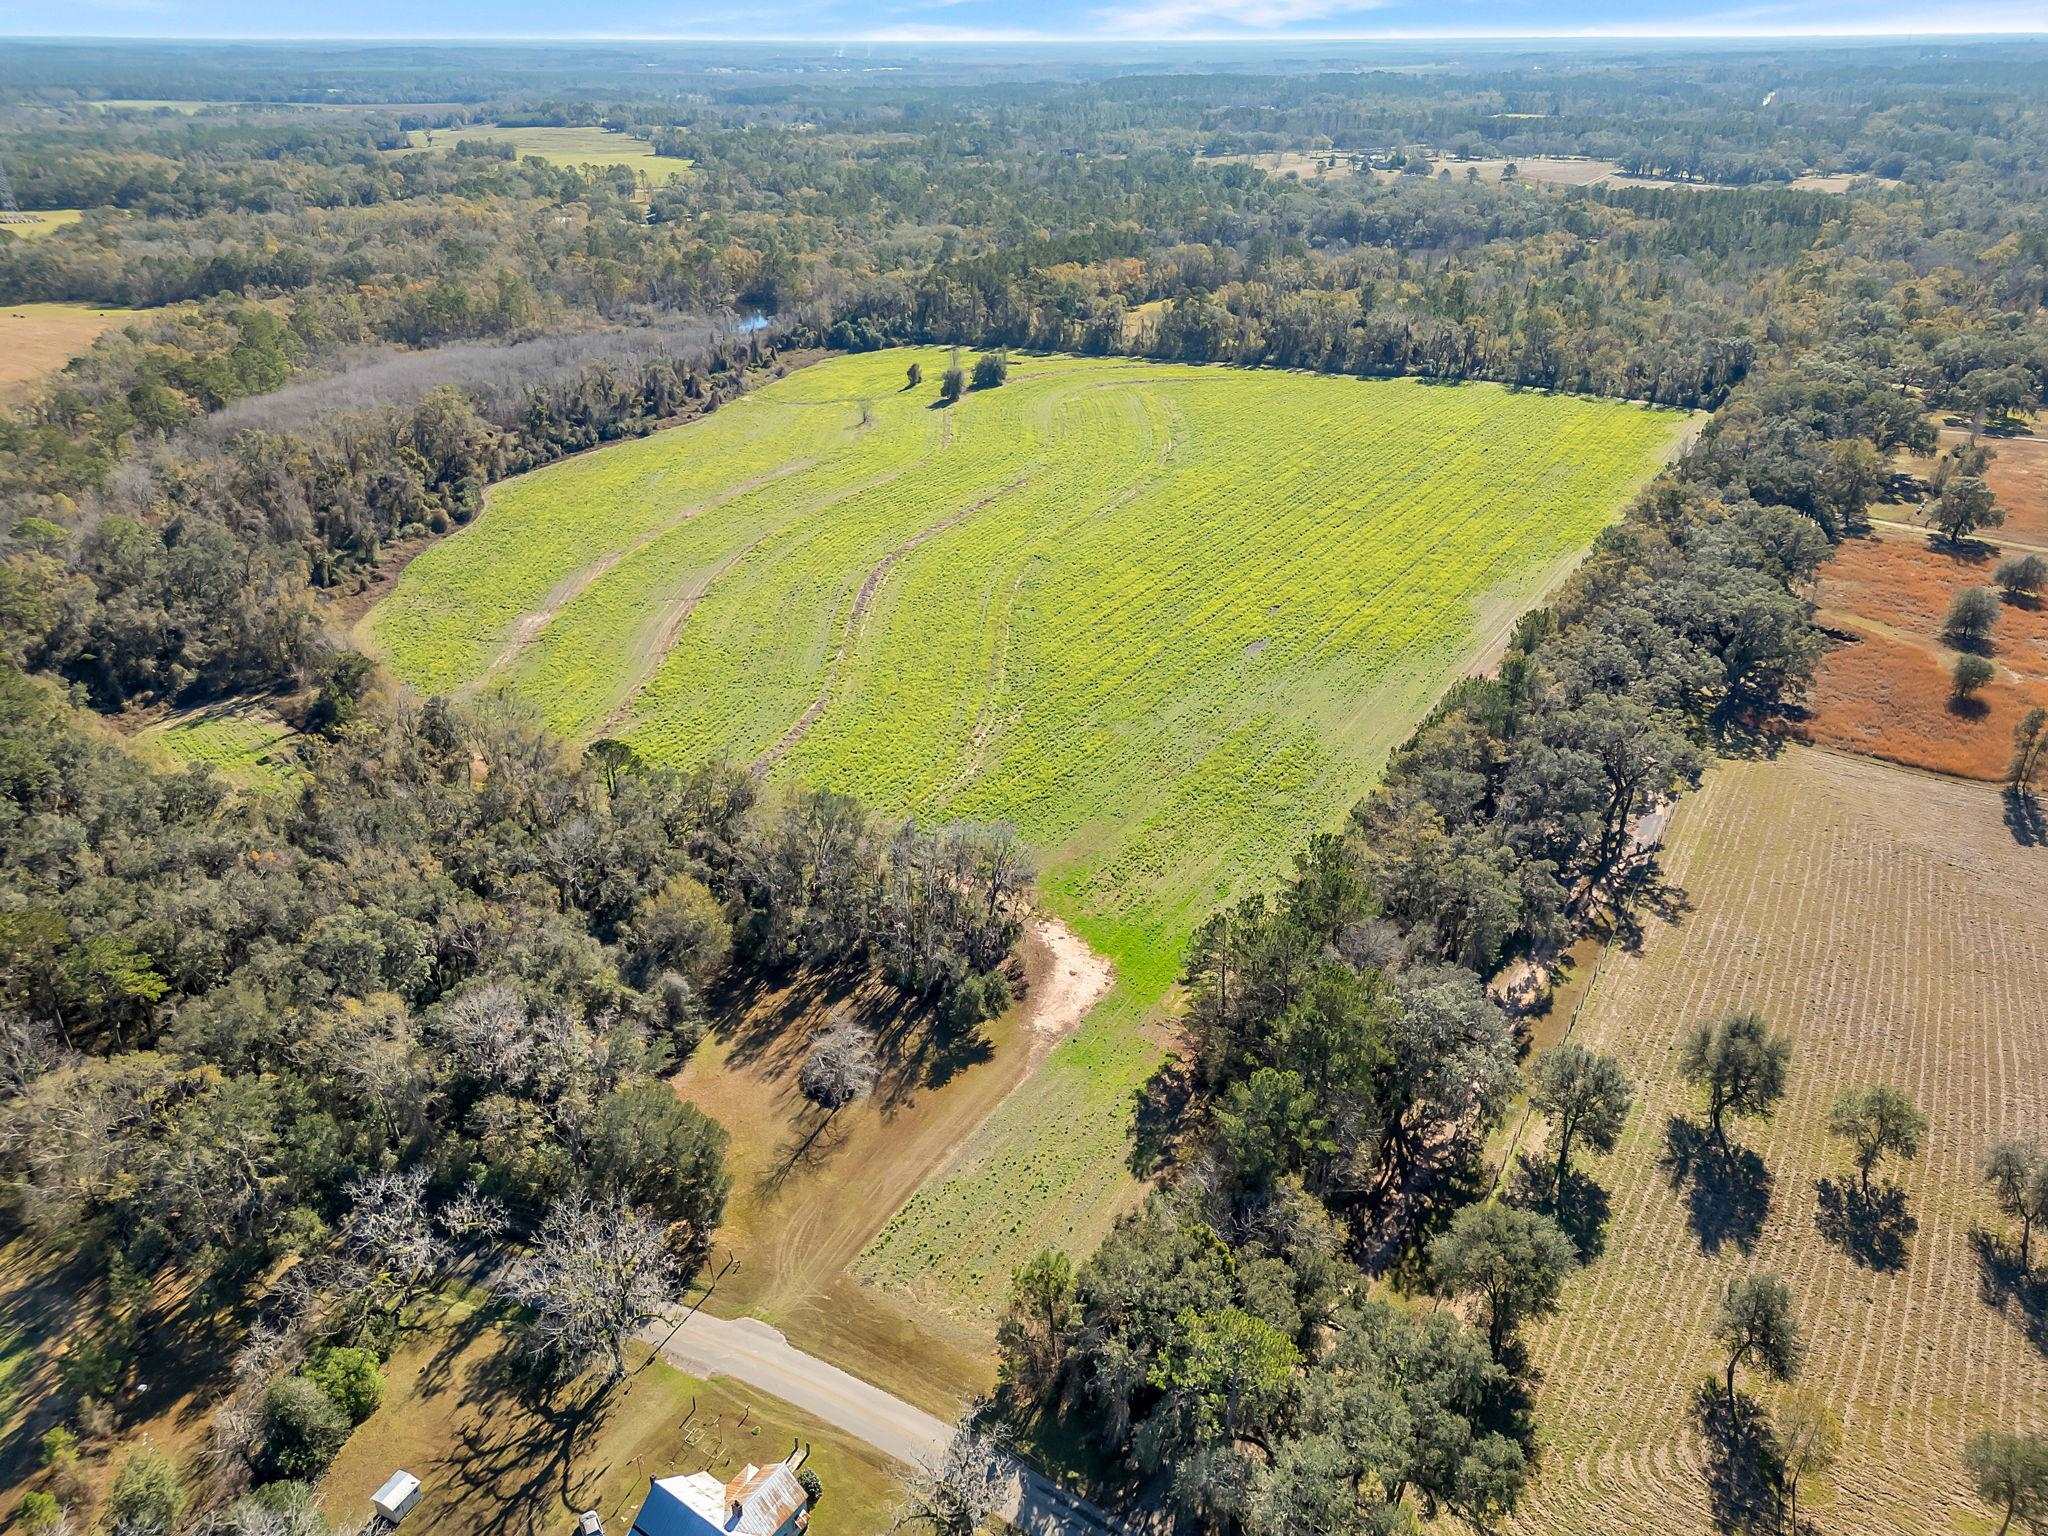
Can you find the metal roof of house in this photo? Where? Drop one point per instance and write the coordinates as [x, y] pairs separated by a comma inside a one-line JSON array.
[[700, 1505]]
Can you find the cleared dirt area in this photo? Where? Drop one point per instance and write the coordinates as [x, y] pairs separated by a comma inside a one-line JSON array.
[[1892, 925], [810, 1189], [1884, 688], [38, 339]]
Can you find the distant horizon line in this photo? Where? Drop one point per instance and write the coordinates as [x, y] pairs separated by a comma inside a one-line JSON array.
[[944, 38]]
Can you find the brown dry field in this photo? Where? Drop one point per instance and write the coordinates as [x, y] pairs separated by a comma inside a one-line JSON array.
[[1883, 689], [1890, 922], [39, 339], [810, 1190]]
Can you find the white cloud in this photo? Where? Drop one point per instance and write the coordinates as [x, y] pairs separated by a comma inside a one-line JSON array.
[[1182, 18]]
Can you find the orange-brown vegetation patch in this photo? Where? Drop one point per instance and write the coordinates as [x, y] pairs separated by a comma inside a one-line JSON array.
[[2018, 477], [1884, 688]]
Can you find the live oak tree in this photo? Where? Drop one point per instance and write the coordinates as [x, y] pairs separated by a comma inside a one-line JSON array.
[[1972, 614], [1515, 1261], [1755, 1325], [1963, 506], [2017, 1172], [1739, 1066], [1587, 1098], [1970, 675], [2029, 749], [1809, 1434], [1033, 1336], [1877, 1122], [2009, 1470], [2021, 577]]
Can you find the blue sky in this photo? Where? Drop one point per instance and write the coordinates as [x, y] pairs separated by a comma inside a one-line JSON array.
[[1015, 20]]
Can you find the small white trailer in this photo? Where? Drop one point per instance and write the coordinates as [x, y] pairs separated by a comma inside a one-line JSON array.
[[394, 1501]]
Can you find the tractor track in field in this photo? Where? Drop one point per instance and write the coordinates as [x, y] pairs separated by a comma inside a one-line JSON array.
[[861, 601], [531, 626]]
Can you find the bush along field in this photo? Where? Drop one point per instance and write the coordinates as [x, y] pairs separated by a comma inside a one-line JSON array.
[[1165, 620]]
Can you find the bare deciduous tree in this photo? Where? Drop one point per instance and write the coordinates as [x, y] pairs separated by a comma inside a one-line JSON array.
[[597, 1271], [954, 1494], [841, 1066]]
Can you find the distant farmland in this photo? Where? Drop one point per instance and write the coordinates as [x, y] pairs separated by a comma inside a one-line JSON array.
[[1166, 620], [570, 147], [1892, 925]]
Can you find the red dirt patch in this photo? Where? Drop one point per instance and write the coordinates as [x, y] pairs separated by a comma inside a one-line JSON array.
[[1884, 689]]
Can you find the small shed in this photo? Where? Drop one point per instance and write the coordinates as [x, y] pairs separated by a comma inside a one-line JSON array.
[[394, 1501]]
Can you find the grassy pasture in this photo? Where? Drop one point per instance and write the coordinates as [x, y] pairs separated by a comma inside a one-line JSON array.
[[1166, 620], [39, 339], [41, 221], [1885, 686], [558, 146], [248, 744], [1890, 922]]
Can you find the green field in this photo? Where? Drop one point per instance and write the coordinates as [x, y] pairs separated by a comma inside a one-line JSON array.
[[558, 146], [1165, 620], [248, 744], [43, 221]]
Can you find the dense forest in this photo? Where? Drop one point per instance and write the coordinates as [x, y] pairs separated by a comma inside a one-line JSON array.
[[425, 1001]]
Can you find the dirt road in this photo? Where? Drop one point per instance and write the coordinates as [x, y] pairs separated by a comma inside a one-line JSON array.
[[749, 1351]]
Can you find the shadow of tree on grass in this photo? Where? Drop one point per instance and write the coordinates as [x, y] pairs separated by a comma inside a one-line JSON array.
[[1581, 1208], [1743, 1462], [2008, 1286], [1872, 1228], [1727, 1188]]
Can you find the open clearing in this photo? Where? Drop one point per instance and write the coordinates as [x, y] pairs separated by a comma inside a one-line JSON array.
[[493, 1466], [41, 221], [37, 340], [1890, 922], [245, 742], [570, 147], [1884, 687], [1165, 620]]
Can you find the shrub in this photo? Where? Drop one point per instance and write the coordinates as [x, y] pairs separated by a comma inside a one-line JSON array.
[[39, 1512], [302, 1428], [350, 1379], [58, 1444], [148, 1496], [1970, 619], [813, 1489], [1972, 673], [991, 369], [915, 374], [953, 385]]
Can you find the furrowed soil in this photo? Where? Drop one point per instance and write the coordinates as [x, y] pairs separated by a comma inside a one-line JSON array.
[[1167, 621], [1885, 686], [1892, 923]]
